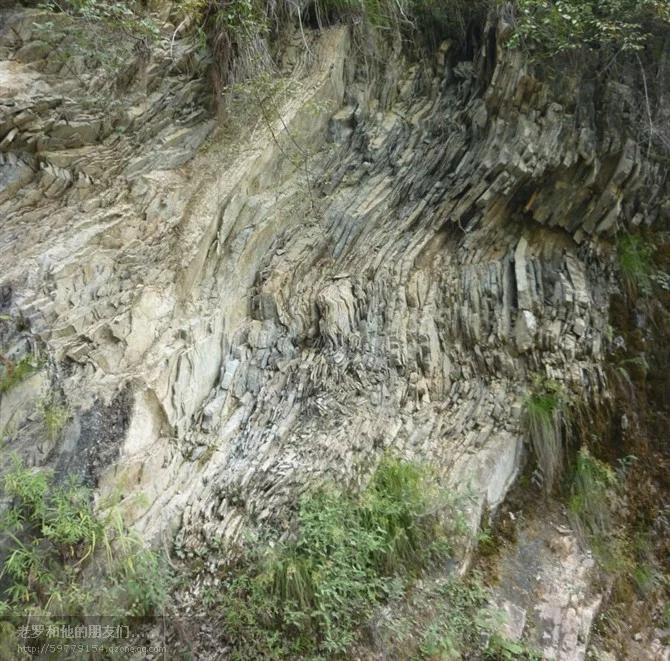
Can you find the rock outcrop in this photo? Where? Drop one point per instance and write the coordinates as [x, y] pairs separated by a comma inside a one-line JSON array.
[[234, 316]]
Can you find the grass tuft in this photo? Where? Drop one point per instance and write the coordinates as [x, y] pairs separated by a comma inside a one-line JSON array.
[[591, 493], [13, 373], [634, 256], [544, 416], [594, 505], [55, 417]]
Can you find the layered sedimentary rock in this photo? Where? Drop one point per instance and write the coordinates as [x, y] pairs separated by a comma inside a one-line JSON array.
[[232, 319]]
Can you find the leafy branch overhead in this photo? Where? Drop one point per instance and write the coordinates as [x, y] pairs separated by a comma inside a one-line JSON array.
[[241, 34], [550, 27]]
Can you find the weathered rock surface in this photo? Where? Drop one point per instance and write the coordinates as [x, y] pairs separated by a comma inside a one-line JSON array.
[[340, 278], [546, 587]]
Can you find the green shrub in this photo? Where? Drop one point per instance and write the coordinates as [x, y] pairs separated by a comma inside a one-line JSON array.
[[311, 595], [240, 33], [542, 26], [549, 27], [64, 560]]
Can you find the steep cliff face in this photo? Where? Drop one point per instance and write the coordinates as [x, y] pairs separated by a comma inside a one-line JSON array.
[[233, 314]]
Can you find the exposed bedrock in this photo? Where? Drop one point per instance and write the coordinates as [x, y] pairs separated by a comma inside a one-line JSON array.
[[280, 307]]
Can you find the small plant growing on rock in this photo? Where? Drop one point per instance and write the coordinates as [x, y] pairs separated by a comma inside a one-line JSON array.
[[12, 373], [591, 493], [593, 502], [634, 256], [544, 417], [55, 416]]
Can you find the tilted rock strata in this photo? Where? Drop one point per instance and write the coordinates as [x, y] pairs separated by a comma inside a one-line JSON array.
[[239, 322]]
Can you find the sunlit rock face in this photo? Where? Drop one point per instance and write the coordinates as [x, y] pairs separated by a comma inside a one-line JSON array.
[[234, 312]]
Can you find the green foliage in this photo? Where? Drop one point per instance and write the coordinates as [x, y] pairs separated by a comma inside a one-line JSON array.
[[593, 503], [544, 27], [242, 16], [544, 416], [310, 596], [503, 649], [139, 582], [52, 567], [549, 27], [14, 373], [410, 17], [125, 17], [55, 417], [450, 618], [103, 33], [591, 493], [258, 16], [462, 619], [241, 34], [28, 488], [635, 264], [666, 616]]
